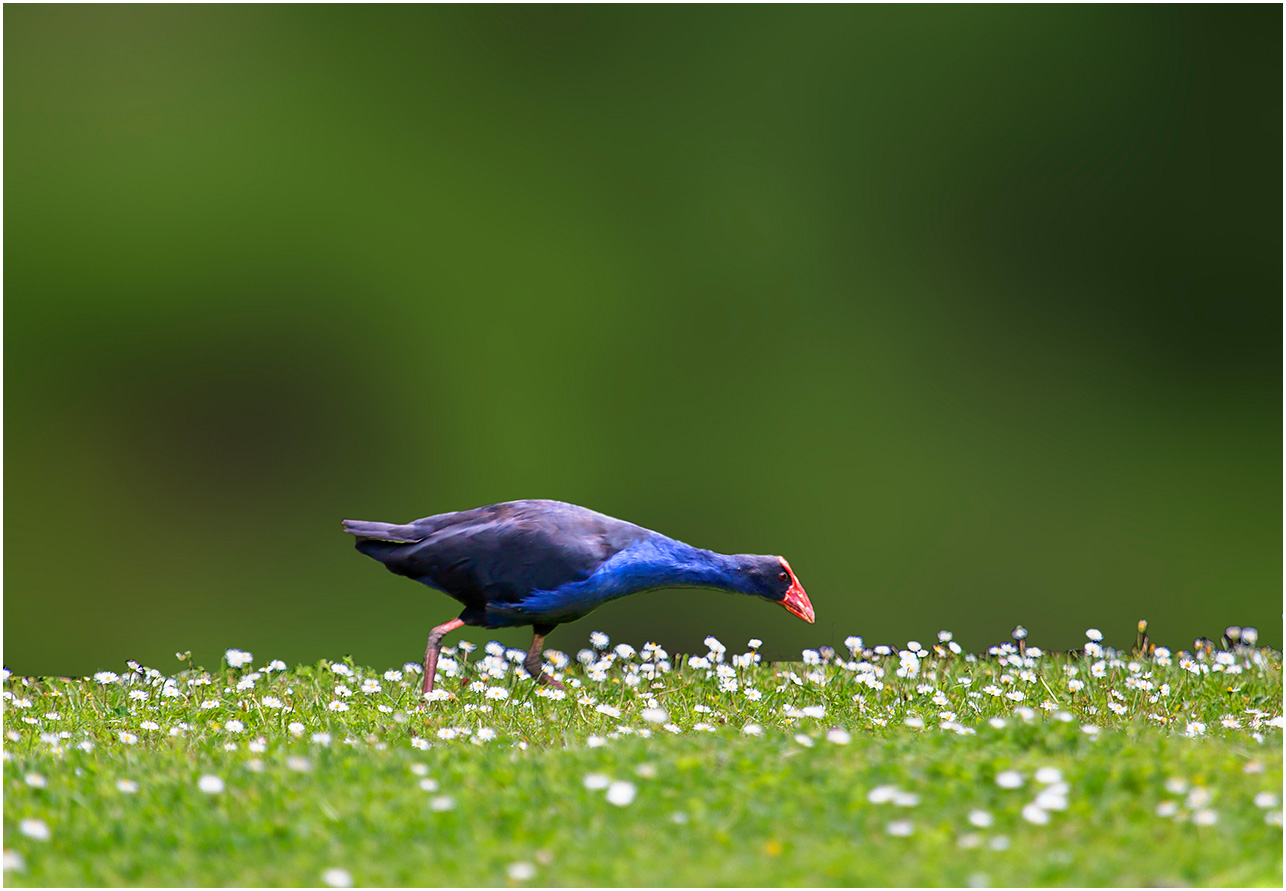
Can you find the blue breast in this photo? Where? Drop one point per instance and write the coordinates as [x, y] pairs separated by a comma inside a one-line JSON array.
[[653, 562]]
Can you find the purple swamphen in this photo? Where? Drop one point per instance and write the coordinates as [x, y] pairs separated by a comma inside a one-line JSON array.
[[542, 563]]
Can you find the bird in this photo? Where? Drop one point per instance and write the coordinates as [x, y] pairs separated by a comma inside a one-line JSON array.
[[542, 563]]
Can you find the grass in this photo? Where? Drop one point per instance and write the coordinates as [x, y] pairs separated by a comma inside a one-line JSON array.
[[870, 767]]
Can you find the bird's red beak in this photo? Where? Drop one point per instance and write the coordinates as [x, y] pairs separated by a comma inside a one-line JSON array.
[[796, 600]]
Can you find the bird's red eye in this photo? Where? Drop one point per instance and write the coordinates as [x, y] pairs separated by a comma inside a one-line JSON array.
[[782, 576]]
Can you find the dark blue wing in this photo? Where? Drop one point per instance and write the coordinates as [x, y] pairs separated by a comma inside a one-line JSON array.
[[502, 552]]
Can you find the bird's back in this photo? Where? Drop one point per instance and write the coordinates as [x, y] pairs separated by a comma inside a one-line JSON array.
[[499, 553]]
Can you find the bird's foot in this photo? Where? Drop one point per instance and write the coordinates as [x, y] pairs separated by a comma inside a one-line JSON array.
[[550, 681]]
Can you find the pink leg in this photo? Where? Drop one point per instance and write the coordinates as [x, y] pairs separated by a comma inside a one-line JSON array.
[[431, 651], [532, 662]]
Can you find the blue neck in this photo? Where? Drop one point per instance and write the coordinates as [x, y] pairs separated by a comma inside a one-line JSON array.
[[662, 562], [649, 563]]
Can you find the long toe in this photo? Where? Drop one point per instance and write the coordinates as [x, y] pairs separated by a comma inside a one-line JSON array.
[[550, 680]]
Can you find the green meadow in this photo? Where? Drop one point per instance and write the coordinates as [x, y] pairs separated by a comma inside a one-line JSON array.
[[861, 765]]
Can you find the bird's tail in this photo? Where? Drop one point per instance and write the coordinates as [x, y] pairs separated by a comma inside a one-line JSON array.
[[369, 531]]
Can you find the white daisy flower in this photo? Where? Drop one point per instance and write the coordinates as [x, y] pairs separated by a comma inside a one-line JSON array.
[[882, 794], [35, 829], [1033, 813], [238, 658], [521, 871], [210, 784], [1049, 775], [337, 878], [1009, 779], [621, 793], [597, 781]]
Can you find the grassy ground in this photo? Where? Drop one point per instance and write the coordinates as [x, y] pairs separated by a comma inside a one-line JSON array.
[[859, 767]]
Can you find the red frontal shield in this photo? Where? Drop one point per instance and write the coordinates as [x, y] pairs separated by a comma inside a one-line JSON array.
[[796, 600]]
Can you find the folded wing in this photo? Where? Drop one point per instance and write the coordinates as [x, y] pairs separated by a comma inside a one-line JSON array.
[[499, 554]]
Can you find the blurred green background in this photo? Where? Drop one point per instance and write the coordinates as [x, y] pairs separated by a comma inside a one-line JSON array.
[[974, 313]]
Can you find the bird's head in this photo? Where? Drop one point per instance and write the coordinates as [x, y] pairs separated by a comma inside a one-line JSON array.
[[773, 579]]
